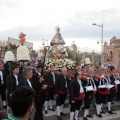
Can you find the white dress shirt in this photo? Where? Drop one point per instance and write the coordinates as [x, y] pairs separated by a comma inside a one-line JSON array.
[[39, 73], [29, 83], [1, 75], [16, 77], [53, 77], [81, 87], [66, 81]]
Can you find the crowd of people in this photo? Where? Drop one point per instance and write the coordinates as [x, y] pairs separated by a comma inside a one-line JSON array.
[[31, 84]]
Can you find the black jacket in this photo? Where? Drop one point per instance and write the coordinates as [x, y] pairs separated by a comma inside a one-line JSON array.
[[11, 85], [40, 94], [23, 82], [34, 71], [49, 77], [112, 78], [74, 89], [6, 72], [60, 83]]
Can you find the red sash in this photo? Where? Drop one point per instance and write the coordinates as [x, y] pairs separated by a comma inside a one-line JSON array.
[[51, 86], [81, 95], [62, 91], [113, 88], [104, 93]]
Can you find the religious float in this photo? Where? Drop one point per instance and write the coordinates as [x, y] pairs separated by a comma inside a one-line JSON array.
[[56, 54]]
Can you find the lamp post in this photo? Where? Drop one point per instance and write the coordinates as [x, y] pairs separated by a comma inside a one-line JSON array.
[[43, 42], [46, 48], [101, 39]]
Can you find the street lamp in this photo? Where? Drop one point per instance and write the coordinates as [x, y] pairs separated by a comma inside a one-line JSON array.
[[43, 42], [101, 40], [46, 49]]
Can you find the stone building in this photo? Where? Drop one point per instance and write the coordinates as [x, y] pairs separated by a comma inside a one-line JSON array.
[[111, 52], [12, 44]]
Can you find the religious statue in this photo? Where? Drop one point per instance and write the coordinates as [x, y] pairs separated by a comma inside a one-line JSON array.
[[22, 38], [58, 53], [57, 29], [55, 60]]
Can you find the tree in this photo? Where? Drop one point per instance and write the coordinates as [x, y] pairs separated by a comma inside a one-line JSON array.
[[78, 57], [33, 54]]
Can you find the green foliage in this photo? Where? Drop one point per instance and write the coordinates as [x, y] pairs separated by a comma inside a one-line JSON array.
[[78, 57], [33, 54], [70, 56]]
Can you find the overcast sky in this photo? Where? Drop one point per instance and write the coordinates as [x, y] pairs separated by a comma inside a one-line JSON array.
[[38, 19]]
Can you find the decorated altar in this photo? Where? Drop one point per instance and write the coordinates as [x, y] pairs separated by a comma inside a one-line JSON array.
[[56, 53]]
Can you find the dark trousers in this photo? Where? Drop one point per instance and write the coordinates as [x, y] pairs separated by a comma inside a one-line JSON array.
[[61, 99], [118, 95], [111, 95], [87, 102], [2, 92], [38, 113], [100, 98], [76, 105], [51, 92]]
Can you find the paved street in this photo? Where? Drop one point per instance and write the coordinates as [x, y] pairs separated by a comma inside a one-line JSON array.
[[52, 115]]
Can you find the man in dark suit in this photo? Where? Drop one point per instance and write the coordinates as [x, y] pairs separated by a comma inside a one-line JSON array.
[[2, 86], [61, 88], [40, 87], [51, 77], [6, 72], [76, 95], [12, 82], [27, 79]]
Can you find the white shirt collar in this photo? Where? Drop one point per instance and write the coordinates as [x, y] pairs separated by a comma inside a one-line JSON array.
[[39, 73], [16, 77], [1, 74], [29, 83]]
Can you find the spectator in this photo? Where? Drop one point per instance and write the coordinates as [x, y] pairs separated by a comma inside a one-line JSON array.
[[21, 103], [3, 115]]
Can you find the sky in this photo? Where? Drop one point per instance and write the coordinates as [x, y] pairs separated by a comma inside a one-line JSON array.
[[38, 19]]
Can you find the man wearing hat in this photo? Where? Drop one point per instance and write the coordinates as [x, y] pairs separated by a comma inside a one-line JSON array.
[[12, 82], [40, 87]]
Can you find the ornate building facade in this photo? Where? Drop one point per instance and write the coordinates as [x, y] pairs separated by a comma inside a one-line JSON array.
[[111, 52]]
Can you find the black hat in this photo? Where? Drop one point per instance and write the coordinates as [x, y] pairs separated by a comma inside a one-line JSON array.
[[40, 65]]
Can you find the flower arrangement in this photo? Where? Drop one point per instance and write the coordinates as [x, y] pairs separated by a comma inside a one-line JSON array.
[[62, 62], [9, 56]]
